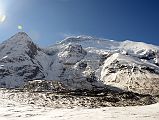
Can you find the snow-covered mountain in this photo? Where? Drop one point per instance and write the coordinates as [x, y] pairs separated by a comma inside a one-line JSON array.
[[18, 61], [81, 62]]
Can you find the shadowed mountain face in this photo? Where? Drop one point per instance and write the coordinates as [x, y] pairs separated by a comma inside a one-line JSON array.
[[81, 62]]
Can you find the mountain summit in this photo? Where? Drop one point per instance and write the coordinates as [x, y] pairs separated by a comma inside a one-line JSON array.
[[81, 62]]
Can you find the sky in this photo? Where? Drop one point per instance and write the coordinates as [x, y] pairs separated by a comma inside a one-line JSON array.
[[50, 21]]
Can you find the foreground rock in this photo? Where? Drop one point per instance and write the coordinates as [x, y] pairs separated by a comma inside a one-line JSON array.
[[71, 99], [45, 86]]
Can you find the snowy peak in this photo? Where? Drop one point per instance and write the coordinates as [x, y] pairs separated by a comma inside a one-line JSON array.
[[75, 39], [18, 43], [18, 61], [91, 42], [20, 37]]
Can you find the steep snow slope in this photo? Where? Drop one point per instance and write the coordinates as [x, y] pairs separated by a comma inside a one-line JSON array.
[[18, 62], [81, 62]]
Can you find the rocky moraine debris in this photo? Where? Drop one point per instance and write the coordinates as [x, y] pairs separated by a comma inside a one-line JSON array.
[[57, 95]]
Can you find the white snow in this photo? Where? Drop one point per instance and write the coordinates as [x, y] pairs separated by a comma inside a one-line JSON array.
[[137, 47], [10, 110]]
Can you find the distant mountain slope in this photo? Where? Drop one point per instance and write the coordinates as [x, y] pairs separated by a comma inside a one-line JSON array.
[[81, 62]]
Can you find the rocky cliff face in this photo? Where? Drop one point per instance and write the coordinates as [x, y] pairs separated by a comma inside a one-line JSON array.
[[131, 74], [81, 63]]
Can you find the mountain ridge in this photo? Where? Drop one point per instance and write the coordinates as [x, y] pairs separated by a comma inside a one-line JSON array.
[[81, 63]]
